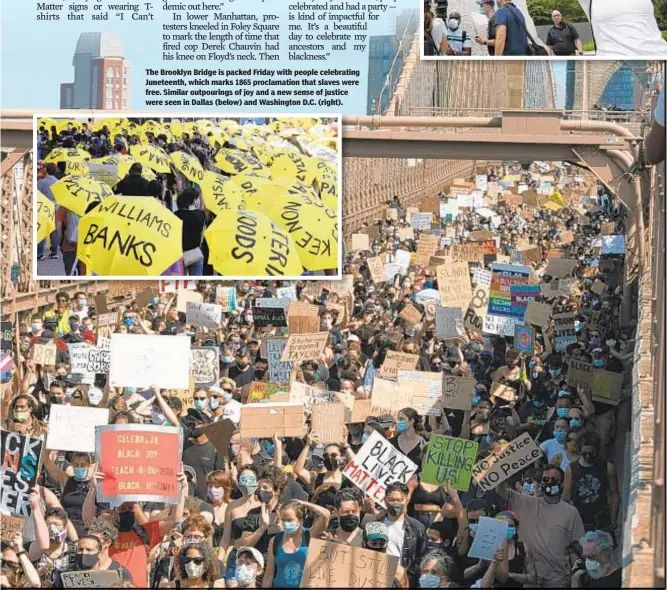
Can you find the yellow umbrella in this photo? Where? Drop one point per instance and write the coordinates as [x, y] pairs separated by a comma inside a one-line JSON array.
[[77, 192], [255, 185], [188, 165], [130, 236], [47, 123], [294, 164], [152, 157], [124, 165], [46, 217], [64, 154], [220, 194], [235, 162], [312, 225], [249, 244], [76, 168], [262, 152], [62, 125]]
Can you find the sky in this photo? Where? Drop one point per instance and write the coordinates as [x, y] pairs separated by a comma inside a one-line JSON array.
[[559, 69]]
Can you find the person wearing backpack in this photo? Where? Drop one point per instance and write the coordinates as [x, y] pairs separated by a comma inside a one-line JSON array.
[[434, 27], [459, 40], [511, 35], [563, 38]]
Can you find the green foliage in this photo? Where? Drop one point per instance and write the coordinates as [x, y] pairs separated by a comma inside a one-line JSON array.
[[588, 46], [540, 10], [660, 7]]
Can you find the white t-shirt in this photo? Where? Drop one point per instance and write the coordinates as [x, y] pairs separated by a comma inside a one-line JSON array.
[[552, 449], [439, 31], [625, 28], [396, 532]]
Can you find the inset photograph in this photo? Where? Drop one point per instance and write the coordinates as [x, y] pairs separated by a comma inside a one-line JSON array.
[[544, 28], [145, 197]]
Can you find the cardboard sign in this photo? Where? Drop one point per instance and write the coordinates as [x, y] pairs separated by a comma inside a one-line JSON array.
[[606, 387], [531, 255], [411, 315], [304, 347], [390, 397], [279, 372], [457, 392], [565, 332], [360, 242], [205, 365], [430, 205], [537, 314], [449, 323], [608, 228], [328, 422], [500, 325], [10, 526], [391, 214], [598, 287], [226, 298], [141, 360], [580, 373], [21, 460], [376, 268], [501, 391], [186, 296], [175, 286], [261, 391], [481, 277], [476, 312], [143, 299], [336, 565], [140, 463], [107, 319], [89, 579], [503, 278], [220, 435], [284, 419], [377, 464], [489, 537], [397, 361], [45, 354], [613, 244], [208, 315], [560, 268], [567, 237], [125, 288], [99, 361], [524, 339], [522, 452], [303, 318], [454, 285], [308, 396], [72, 428], [449, 459], [406, 233], [421, 221]]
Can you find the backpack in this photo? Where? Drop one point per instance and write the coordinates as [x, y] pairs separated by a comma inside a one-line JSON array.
[[430, 47], [72, 228]]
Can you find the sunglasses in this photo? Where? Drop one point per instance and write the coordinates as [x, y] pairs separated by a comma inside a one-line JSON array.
[[548, 480], [195, 560], [227, 390]]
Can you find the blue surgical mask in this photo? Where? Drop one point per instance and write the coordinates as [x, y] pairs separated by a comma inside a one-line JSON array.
[[228, 359], [364, 437], [554, 372], [401, 425], [574, 423], [562, 412], [538, 403], [128, 322], [560, 436], [593, 567], [535, 374], [201, 404], [130, 390], [80, 473], [531, 364], [429, 581], [473, 527], [155, 300], [528, 489], [475, 401], [290, 527], [598, 363], [214, 403], [270, 447], [511, 532]]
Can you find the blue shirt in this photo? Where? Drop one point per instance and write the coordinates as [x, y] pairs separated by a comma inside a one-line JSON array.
[[659, 113], [516, 40]]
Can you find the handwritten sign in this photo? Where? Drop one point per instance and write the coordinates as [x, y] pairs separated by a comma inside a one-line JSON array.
[[421, 220], [205, 365], [7, 330], [454, 285], [537, 314], [397, 361], [226, 298], [208, 315], [565, 332], [502, 391], [328, 423], [560, 268], [99, 360], [72, 428], [376, 268], [360, 242], [580, 373], [107, 319], [140, 463], [21, 457], [476, 312], [522, 452], [284, 419], [10, 526], [304, 347], [457, 392], [89, 579], [184, 297], [449, 322], [449, 459], [390, 397], [269, 316], [606, 387], [279, 372], [303, 318], [489, 537], [377, 464], [78, 357], [410, 314], [45, 354]]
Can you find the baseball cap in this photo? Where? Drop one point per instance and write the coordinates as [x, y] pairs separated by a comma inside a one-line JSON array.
[[256, 555], [376, 531], [482, 2]]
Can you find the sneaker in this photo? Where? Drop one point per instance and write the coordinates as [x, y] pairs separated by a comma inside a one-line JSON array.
[[41, 257], [53, 256]]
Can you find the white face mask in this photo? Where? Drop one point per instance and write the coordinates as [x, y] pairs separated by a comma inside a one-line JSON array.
[[193, 570], [245, 574]]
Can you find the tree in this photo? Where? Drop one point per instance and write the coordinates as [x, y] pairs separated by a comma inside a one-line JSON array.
[[660, 7]]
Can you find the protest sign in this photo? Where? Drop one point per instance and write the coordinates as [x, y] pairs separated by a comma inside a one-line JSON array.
[[78, 357], [103, 343], [608, 228], [376, 268], [98, 361], [304, 347], [377, 464], [303, 318], [309, 395], [269, 316], [143, 299], [565, 332], [226, 298], [125, 288], [421, 221], [9, 527], [430, 205], [391, 269], [205, 365], [101, 305], [481, 277], [142, 360], [537, 314], [606, 387], [530, 255], [261, 391], [489, 537], [89, 579], [279, 372], [21, 457], [434, 392], [402, 257], [208, 315], [284, 419], [410, 314], [328, 423], [469, 252], [613, 244], [220, 434], [406, 233], [457, 392], [390, 397], [174, 286], [580, 373], [567, 237], [501, 391], [524, 339], [520, 453], [454, 285], [186, 296], [395, 361], [391, 214], [598, 287], [72, 428], [520, 297], [337, 565], [476, 312], [107, 319], [360, 242], [449, 459], [140, 462], [560, 268], [501, 325], [286, 293], [45, 354], [449, 322], [503, 276]]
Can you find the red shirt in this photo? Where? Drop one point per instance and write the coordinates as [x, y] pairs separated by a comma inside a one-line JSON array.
[[131, 552]]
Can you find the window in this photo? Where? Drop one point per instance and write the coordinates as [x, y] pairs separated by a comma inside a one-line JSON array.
[[109, 104]]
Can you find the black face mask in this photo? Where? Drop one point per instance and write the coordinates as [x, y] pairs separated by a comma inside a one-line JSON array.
[[86, 561], [394, 510], [589, 457], [349, 522], [330, 464], [125, 521], [264, 497], [433, 546]]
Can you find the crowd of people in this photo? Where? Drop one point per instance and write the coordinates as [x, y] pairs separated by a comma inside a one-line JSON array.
[[503, 27], [208, 178], [247, 513]]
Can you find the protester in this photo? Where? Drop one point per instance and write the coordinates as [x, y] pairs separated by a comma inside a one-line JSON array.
[[655, 141], [601, 566], [563, 38], [488, 7], [458, 39], [511, 37]]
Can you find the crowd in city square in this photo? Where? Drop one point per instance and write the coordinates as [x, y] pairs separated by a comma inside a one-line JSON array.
[[445, 415]]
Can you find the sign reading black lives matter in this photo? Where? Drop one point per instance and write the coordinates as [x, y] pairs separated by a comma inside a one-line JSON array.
[[20, 469], [204, 365]]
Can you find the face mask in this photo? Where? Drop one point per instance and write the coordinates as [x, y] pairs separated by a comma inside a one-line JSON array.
[[264, 496], [453, 24], [429, 581], [330, 464], [201, 404], [349, 522], [598, 363], [554, 372], [589, 458], [472, 528], [433, 546], [364, 437], [215, 493], [126, 521], [327, 324], [228, 359], [560, 436], [574, 423], [562, 412], [290, 527], [244, 575], [248, 484], [157, 418], [394, 509], [485, 415], [36, 327], [193, 570], [528, 489], [593, 567], [80, 473], [475, 401], [81, 303], [155, 300], [214, 403], [86, 561], [551, 489], [538, 403], [401, 426], [531, 364], [22, 416], [242, 366], [128, 322], [55, 534]]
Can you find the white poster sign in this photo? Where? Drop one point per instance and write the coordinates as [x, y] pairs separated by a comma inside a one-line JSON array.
[[78, 357], [208, 315], [72, 428]]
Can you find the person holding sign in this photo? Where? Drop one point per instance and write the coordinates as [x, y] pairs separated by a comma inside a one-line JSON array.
[[335, 458], [17, 569], [408, 441], [87, 559]]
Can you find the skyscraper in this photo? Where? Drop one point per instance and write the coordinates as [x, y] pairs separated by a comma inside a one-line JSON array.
[[102, 75]]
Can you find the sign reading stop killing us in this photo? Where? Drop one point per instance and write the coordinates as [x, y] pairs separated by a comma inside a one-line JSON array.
[[140, 463], [449, 459]]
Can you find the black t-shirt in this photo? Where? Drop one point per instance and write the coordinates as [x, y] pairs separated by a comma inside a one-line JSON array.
[[613, 580], [203, 459], [73, 496], [193, 227], [561, 39], [491, 34], [239, 377]]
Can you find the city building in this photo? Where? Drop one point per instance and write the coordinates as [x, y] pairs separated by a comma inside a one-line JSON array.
[[102, 75]]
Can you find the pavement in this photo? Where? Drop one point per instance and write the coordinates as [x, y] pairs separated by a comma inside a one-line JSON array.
[[51, 268]]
